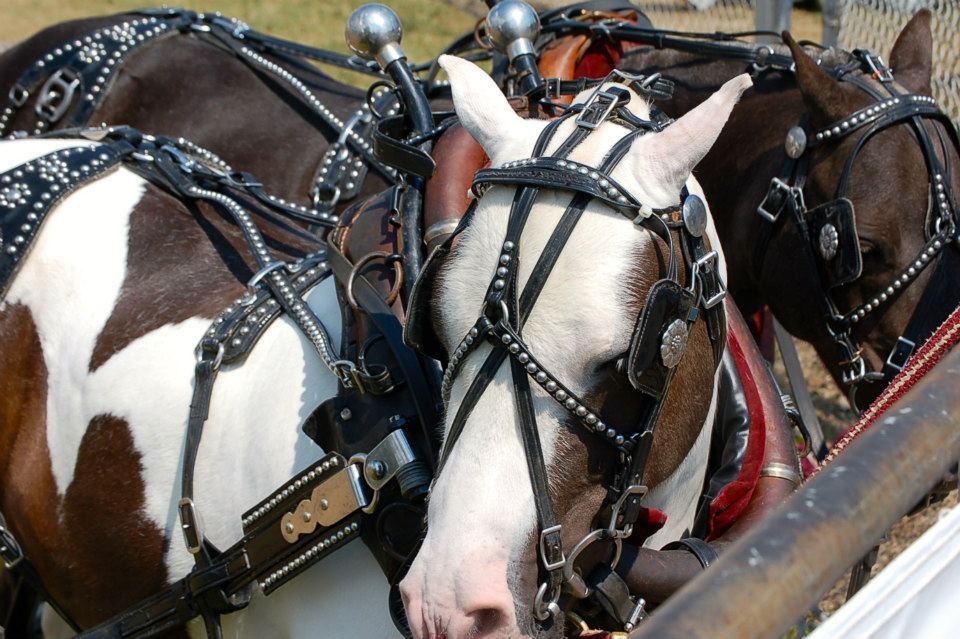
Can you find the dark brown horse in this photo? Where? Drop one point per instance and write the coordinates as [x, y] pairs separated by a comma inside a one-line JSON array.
[[889, 187], [184, 82]]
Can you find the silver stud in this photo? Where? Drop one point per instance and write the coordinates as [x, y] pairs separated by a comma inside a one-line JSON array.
[[561, 395], [551, 386], [570, 404]]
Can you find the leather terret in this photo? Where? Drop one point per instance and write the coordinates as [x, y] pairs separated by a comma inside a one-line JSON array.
[[667, 301], [847, 264]]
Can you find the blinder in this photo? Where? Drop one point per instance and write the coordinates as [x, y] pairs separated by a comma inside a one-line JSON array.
[[660, 336], [833, 232]]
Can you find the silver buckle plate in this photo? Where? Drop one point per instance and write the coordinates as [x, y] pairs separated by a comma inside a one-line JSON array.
[[57, 95], [543, 549]]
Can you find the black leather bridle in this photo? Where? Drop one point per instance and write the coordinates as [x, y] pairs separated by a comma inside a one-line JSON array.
[[829, 230], [655, 349]]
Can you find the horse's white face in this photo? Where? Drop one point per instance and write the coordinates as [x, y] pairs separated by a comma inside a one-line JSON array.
[[479, 551]]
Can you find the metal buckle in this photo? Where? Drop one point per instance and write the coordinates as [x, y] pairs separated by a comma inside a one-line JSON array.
[[696, 272], [778, 188], [57, 94], [877, 66], [613, 98], [10, 549], [556, 565], [18, 95], [189, 525], [612, 530], [901, 353], [203, 349], [853, 371], [382, 463]]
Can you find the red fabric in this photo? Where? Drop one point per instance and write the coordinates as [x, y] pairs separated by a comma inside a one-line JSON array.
[[735, 496], [649, 521], [600, 58]]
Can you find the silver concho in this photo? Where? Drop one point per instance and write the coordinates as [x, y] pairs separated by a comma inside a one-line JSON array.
[[673, 342], [796, 142], [694, 215], [829, 241]]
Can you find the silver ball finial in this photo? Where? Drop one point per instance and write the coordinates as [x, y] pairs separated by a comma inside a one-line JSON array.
[[513, 26], [373, 32]]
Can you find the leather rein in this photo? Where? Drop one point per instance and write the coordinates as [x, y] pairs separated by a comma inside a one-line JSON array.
[[656, 348]]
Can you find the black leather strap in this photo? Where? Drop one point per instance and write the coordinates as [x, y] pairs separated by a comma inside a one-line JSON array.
[[700, 549]]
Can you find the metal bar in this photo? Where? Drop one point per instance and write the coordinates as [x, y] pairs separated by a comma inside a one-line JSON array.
[[767, 580], [773, 15], [831, 21]]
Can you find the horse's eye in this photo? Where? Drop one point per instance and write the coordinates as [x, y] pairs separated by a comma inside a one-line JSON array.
[[870, 250]]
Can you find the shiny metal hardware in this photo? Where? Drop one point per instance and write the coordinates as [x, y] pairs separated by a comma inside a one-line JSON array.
[[829, 241], [57, 94], [391, 454], [778, 189], [612, 531], [673, 342], [878, 68], [10, 550], [18, 95], [512, 26], [636, 615], [707, 263], [374, 32], [544, 608], [572, 580], [190, 526], [549, 566], [613, 99], [259, 275], [203, 353], [853, 370], [782, 471], [694, 214], [900, 354], [796, 142], [337, 497]]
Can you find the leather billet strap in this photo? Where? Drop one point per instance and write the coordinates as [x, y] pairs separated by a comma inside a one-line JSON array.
[[700, 549]]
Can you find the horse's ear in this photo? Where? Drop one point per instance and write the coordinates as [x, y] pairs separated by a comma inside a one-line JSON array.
[[671, 154], [483, 110], [911, 58], [824, 99]]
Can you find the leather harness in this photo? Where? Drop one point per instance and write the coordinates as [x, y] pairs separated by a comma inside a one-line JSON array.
[[655, 350], [829, 230]]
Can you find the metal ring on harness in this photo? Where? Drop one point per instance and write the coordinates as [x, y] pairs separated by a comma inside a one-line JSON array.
[[366, 259], [572, 579], [251, 295], [544, 611], [371, 97]]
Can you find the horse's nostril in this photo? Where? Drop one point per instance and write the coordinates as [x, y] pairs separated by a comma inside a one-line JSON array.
[[487, 621]]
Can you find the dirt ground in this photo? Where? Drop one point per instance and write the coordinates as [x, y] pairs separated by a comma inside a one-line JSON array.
[[835, 415]]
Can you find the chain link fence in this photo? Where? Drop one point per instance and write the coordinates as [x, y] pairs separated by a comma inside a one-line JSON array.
[[874, 24]]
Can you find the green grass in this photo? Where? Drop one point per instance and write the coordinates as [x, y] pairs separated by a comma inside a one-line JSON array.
[[428, 25]]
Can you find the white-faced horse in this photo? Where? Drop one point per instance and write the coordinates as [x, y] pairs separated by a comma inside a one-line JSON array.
[[476, 574], [97, 339]]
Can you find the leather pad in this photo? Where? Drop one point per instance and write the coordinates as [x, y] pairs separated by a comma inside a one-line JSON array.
[[847, 264], [667, 301], [419, 332]]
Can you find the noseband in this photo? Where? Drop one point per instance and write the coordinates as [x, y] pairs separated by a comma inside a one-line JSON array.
[[656, 346], [830, 233]]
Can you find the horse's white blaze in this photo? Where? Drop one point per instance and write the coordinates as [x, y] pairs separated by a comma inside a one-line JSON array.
[[252, 442], [481, 513]]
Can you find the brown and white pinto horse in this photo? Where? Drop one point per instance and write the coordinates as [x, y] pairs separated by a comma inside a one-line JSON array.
[[97, 338], [475, 573]]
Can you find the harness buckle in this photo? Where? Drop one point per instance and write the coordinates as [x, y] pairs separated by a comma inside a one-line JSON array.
[[636, 490], [878, 68], [901, 353], [57, 94], [704, 268], [190, 526], [853, 370], [10, 550], [775, 199], [613, 97], [550, 566]]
